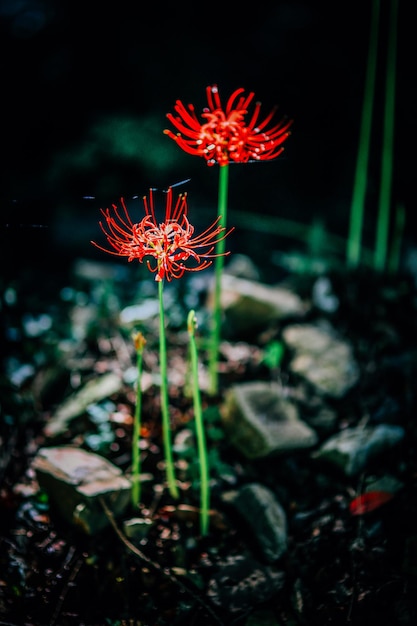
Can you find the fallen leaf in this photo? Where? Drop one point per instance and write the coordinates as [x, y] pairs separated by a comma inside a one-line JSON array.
[[369, 501]]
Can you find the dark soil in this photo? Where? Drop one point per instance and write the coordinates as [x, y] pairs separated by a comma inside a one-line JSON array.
[[339, 568]]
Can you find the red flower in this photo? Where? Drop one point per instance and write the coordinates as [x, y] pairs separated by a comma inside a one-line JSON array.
[[170, 243], [225, 136]]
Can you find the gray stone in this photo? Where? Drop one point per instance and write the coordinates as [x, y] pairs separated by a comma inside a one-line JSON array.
[[249, 304], [241, 583], [95, 390], [139, 313], [386, 483], [137, 528], [322, 358], [352, 449], [263, 516], [323, 296], [242, 266], [260, 422], [75, 481]]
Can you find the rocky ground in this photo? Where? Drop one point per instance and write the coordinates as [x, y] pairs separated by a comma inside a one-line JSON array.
[[312, 446]]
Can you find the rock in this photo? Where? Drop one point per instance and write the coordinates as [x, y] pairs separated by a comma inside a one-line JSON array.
[[95, 390], [250, 305], [83, 317], [242, 266], [95, 271], [263, 516], [242, 583], [260, 422], [354, 448], [322, 358], [135, 314], [75, 480], [323, 296], [136, 529], [386, 483]]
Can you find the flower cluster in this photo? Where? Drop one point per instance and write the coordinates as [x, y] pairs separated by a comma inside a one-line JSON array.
[[171, 245], [225, 136], [170, 248]]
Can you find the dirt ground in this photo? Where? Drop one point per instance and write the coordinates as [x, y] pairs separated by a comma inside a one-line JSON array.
[[339, 568]]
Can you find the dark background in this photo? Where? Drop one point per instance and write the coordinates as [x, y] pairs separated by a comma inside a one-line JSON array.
[[86, 88]]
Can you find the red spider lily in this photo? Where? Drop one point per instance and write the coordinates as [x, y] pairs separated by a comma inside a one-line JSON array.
[[170, 243], [225, 136]]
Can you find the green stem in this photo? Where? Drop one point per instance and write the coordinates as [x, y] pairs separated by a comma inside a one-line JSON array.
[[166, 426], [136, 430], [218, 271], [198, 414], [387, 150], [360, 181]]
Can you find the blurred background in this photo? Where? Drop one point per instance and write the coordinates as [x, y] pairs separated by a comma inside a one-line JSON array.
[[85, 92]]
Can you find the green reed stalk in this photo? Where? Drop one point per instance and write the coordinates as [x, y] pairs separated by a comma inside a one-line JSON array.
[[218, 272], [381, 244], [139, 342], [166, 426], [201, 439], [361, 176]]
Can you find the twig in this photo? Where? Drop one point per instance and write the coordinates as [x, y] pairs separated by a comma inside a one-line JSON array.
[[73, 574], [162, 570]]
